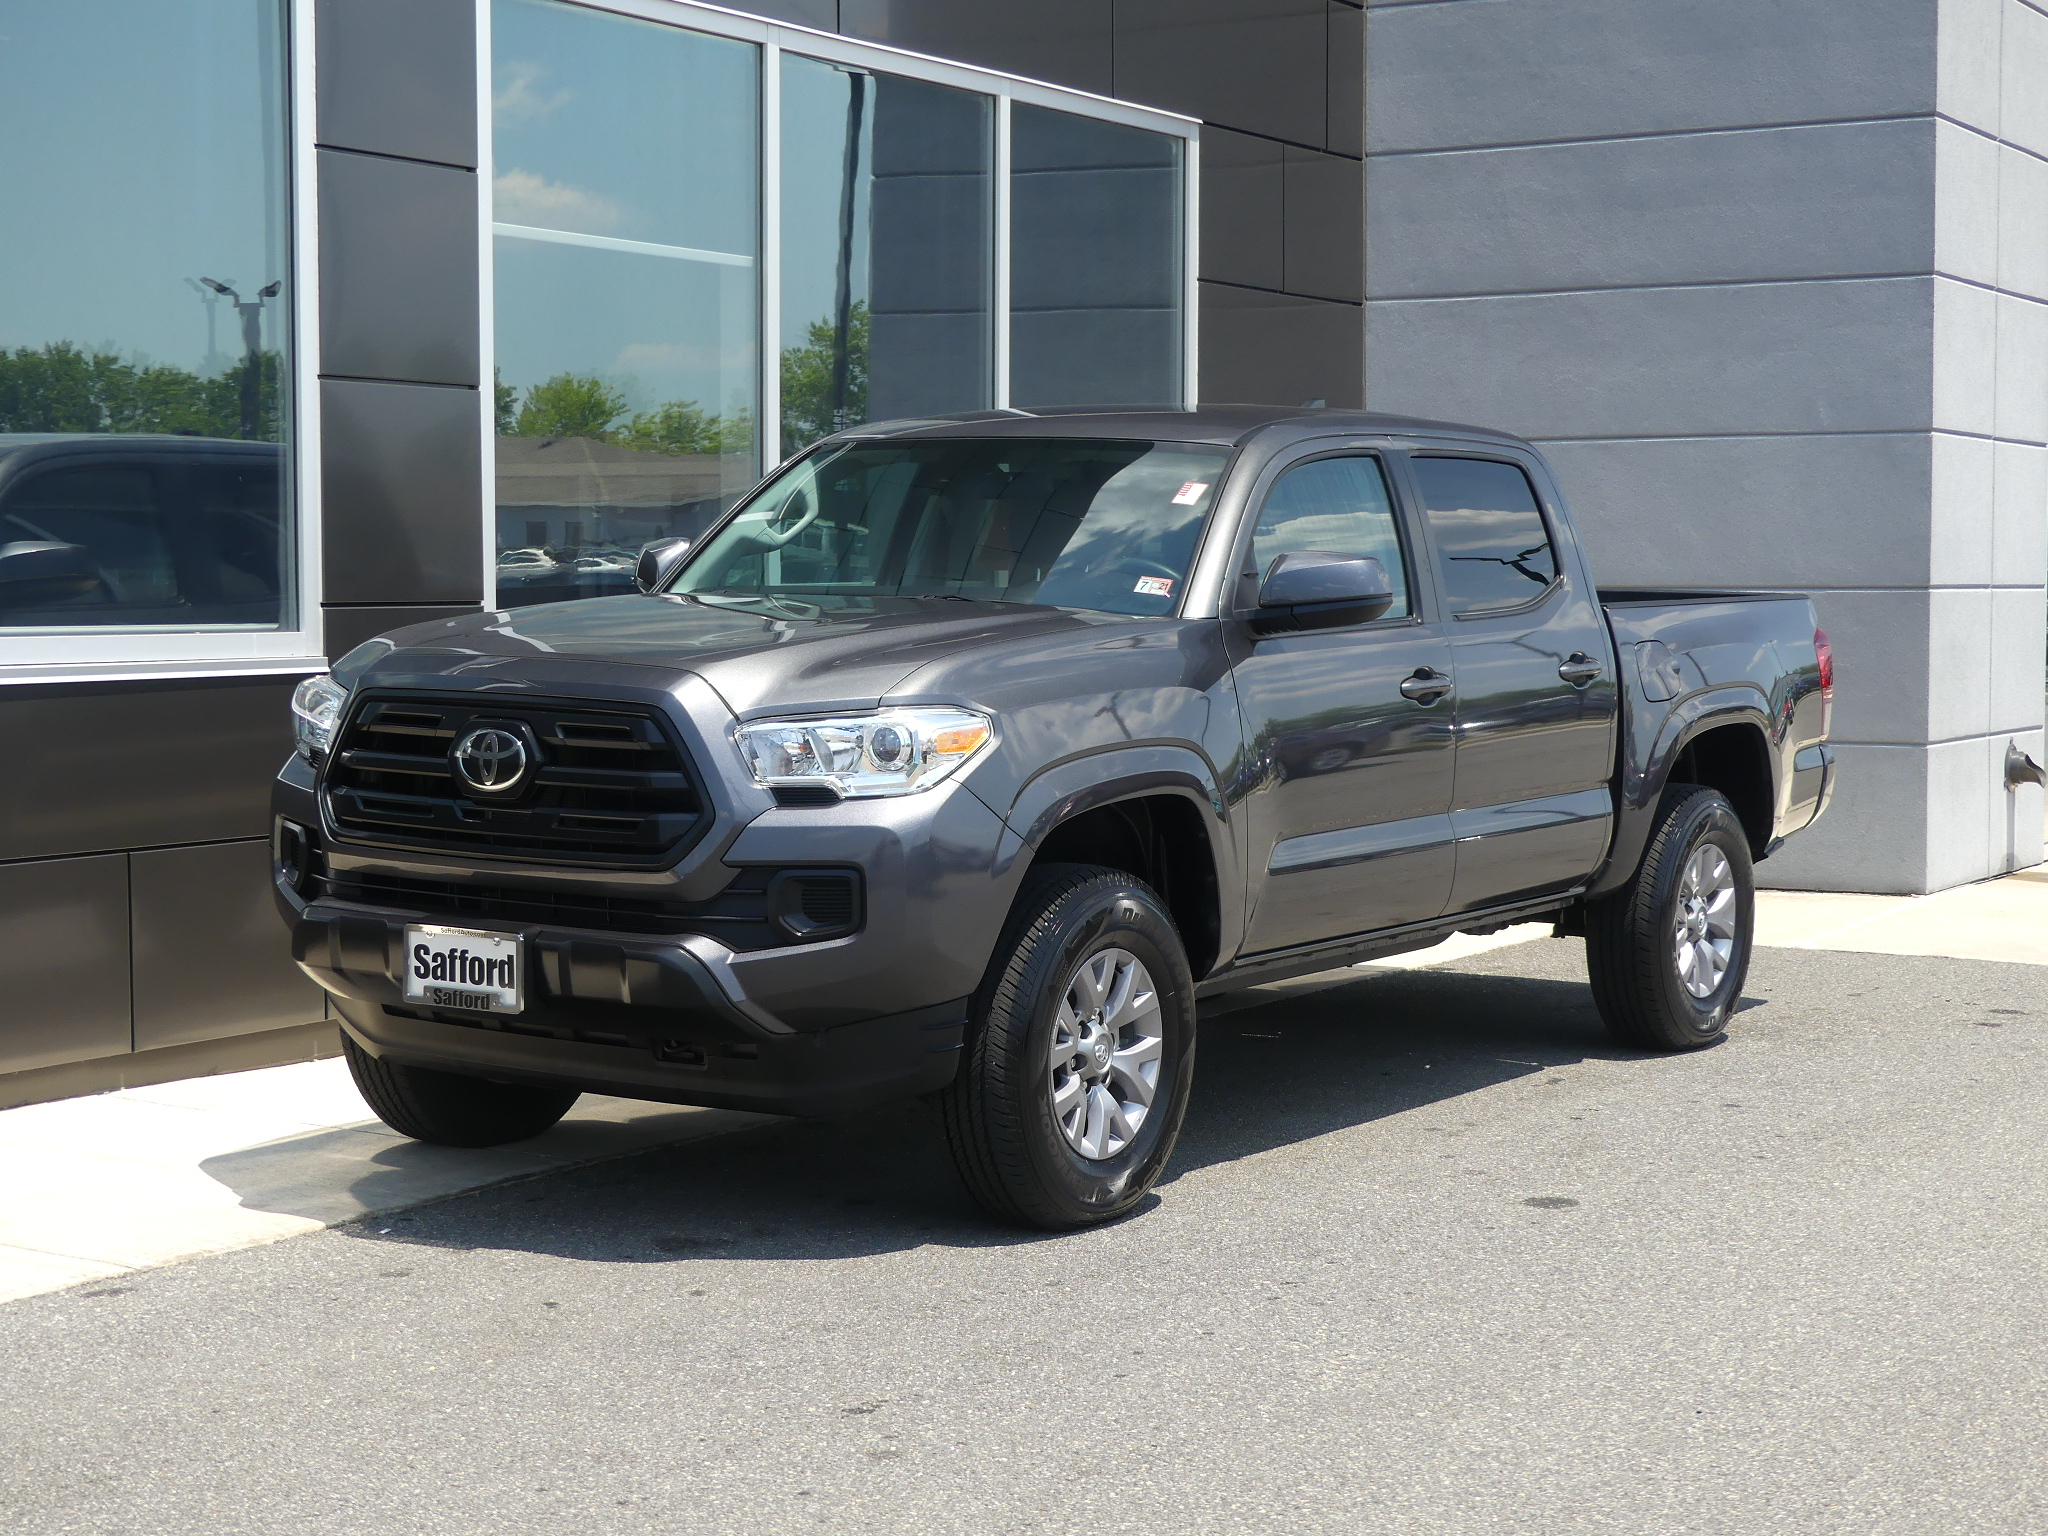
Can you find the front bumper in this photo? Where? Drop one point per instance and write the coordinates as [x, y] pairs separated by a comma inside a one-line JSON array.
[[650, 1018]]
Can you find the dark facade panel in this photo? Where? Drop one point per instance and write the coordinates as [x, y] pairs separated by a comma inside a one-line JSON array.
[[1325, 244], [63, 961], [398, 270], [210, 957], [94, 766], [1241, 209], [1257, 65], [398, 77], [401, 476], [822, 14], [347, 628], [1064, 41], [1272, 349], [1347, 78]]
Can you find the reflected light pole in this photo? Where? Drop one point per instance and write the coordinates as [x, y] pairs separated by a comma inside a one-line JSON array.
[[251, 311]]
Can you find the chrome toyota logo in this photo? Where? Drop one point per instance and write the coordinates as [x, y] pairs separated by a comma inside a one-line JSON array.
[[490, 760]]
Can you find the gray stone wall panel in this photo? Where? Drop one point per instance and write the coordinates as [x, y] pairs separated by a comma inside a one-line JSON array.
[[1752, 511], [1757, 358], [1513, 73], [1789, 202]]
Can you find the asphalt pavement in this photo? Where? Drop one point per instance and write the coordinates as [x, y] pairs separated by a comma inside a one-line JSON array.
[[1433, 1257]]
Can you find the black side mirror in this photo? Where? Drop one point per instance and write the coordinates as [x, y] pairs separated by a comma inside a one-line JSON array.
[[1313, 589], [35, 571], [659, 561]]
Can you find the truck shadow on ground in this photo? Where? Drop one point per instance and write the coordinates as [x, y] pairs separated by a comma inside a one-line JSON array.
[[1277, 1067]]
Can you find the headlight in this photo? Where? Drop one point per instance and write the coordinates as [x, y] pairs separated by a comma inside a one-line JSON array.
[[894, 752], [316, 709]]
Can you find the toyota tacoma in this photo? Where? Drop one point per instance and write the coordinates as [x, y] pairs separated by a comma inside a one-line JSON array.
[[965, 756]]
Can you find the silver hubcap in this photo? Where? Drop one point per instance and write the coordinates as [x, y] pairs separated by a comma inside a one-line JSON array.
[[1106, 1050], [1703, 936]]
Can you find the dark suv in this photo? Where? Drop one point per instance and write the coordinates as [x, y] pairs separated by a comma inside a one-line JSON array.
[[965, 755]]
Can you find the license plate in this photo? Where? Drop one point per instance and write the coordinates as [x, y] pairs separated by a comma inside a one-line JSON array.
[[462, 968]]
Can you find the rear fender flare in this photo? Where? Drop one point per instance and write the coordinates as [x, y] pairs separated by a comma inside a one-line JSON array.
[[1644, 774]]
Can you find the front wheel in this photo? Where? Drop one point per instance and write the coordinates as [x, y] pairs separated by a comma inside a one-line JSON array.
[[1074, 1085], [1669, 951]]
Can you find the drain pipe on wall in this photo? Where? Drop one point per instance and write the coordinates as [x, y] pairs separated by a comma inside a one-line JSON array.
[[2019, 769]]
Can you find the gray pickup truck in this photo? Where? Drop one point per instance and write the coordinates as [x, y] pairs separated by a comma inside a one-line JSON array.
[[964, 756]]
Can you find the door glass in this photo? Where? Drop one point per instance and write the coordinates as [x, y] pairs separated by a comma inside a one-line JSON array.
[[1489, 532], [1095, 262], [625, 206], [886, 235], [1336, 507]]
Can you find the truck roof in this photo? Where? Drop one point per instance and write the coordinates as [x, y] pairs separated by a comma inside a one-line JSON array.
[[1224, 425]]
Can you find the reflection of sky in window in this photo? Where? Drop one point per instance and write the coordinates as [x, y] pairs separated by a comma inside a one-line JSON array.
[[814, 98], [610, 126], [145, 147]]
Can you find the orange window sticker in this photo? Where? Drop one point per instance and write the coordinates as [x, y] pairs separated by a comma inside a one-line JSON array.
[[1190, 493], [1155, 586]]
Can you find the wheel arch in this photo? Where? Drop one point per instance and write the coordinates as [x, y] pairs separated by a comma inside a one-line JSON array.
[[1155, 813], [1735, 723]]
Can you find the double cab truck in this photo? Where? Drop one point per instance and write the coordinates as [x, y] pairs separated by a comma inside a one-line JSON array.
[[965, 756]]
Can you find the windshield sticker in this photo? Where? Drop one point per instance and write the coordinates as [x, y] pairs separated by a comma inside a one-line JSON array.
[[1190, 493], [1155, 586]]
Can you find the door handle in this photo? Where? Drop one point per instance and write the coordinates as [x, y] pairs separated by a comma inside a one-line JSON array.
[[1426, 686], [1579, 669]]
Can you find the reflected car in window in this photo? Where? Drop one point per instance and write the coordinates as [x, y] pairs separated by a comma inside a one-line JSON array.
[[98, 529]]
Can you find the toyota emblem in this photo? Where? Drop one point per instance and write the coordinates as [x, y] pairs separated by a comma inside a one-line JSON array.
[[491, 761]]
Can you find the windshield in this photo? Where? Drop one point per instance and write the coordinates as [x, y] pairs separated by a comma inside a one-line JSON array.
[[1074, 524]]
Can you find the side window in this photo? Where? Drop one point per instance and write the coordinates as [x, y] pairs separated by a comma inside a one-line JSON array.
[[1489, 532], [1335, 506]]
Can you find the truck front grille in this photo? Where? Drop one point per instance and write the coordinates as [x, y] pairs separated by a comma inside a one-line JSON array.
[[606, 784]]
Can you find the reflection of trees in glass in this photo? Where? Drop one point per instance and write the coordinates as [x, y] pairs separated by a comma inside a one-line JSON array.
[[584, 405], [817, 396], [62, 387]]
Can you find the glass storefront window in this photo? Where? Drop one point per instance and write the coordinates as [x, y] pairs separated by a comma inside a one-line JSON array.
[[1095, 262], [145, 320], [628, 217], [886, 271], [626, 223]]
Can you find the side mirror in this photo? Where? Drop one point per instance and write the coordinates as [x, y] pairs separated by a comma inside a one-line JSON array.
[[35, 571], [659, 561], [1312, 589]]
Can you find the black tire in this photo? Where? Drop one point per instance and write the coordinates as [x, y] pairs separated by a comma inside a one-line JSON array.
[[449, 1109], [1632, 936], [1006, 1140]]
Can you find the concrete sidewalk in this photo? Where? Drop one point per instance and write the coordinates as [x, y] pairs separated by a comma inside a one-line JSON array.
[[99, 1186]]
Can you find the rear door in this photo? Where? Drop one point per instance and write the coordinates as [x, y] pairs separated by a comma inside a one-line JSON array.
[[1537, 701], [1350, 757]]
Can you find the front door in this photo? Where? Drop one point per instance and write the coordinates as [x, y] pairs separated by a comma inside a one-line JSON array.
[[1348, 732], [1536, 707]]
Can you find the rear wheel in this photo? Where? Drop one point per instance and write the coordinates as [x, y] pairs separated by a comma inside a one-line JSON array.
[[1668, 953], [449, 1109], [1072, 1092]]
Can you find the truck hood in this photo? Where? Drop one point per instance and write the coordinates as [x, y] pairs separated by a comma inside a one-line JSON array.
[[756, 653]]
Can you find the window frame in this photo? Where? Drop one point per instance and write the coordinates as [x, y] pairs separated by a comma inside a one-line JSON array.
[[772, 40], [1422, 588], [1436, 558], [297, 646]]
